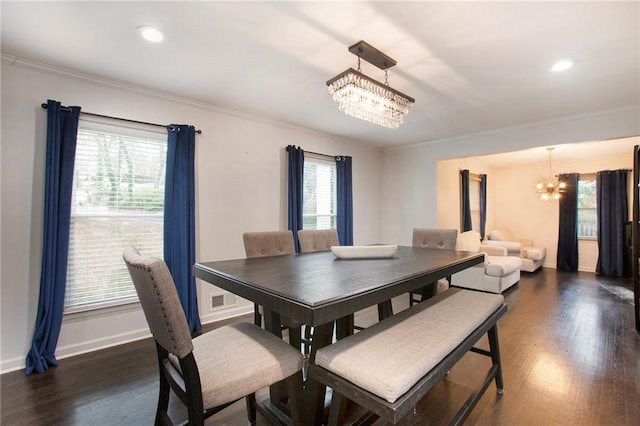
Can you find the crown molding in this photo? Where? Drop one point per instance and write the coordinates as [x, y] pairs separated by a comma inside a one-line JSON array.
[[17, 61]]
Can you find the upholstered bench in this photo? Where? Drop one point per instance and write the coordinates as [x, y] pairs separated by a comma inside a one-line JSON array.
[[388, 367]]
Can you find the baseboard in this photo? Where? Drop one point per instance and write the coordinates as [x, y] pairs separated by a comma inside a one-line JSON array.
[[14, 364], [68, 351], [62, 352]]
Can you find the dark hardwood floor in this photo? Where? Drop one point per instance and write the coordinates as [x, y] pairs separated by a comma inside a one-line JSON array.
[[570, 356]]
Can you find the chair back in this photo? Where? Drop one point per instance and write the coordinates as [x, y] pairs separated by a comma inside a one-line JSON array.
[[265, 244], [435, 238], [160, 302], [313, 240]]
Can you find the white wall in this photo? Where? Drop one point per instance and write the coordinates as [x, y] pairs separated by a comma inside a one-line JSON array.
[[410, 196], [240, 186]]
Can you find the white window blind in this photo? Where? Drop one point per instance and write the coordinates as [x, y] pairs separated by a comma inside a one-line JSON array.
[[117, 202], [319, 207]]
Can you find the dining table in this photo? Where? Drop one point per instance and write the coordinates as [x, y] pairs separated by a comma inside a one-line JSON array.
[[324, 291]]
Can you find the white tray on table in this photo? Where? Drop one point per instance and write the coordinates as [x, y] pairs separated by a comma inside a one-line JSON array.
[[364, 252]]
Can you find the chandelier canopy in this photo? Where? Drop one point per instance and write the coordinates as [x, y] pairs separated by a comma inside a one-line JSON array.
[[550, 189], [363, 97]]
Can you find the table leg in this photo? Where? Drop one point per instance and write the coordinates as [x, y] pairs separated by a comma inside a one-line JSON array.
[[428, 291], [385, 310], [344, 327], [314, 392]]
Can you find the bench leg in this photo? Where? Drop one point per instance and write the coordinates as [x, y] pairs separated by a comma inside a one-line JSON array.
[[337, 410], [494, 347], [314, 391]]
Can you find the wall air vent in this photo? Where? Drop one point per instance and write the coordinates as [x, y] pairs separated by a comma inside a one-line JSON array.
[[222, 300]]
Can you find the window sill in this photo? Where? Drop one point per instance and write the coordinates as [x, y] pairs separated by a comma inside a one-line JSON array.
[[594, 239], [106, 310]]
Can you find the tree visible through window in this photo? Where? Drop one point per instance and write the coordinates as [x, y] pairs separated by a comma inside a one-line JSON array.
[[319, 206], [117, 202], [587, 219]]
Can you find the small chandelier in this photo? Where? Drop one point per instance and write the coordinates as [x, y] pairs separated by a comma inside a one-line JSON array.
[[363, 97], [550, 189]]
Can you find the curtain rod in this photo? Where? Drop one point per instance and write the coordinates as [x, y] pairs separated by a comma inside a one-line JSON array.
[[321, 155], [121, 119]]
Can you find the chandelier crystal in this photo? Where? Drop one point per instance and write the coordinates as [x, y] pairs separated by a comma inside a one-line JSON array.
[[362, 97], [550, 189]]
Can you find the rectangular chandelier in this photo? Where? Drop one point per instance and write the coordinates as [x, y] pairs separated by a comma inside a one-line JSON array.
[[363, 97]]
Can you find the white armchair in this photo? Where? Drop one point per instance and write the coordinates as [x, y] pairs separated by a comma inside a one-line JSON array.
[[498, 273], [532, 257]]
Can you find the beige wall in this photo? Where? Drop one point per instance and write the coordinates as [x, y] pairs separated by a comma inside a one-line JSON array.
[[513, 205], [410, 196]]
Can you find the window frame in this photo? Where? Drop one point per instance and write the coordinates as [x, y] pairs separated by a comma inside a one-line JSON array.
[[474, 183], [587, 177], [333, 216], [129, 130]]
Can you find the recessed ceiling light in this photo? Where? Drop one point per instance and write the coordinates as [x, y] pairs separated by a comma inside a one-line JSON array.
[[151, 34], [561, 65]]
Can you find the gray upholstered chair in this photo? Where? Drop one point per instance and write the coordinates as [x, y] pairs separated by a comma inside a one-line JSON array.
[[272, 243], [265, 244], [215, 369], [432, 238], [313, 240]]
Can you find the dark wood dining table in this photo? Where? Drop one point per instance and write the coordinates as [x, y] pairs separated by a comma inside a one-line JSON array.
[[320, 290]]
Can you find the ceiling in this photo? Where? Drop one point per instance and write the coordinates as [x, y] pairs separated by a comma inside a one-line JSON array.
[[472, 67]]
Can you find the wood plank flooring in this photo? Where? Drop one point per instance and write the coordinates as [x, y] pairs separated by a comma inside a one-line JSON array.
[[570, 352]]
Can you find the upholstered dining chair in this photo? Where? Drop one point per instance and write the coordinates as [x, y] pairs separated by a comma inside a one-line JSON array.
[[272, 243], [432, 238], [214, 370], [314, 240]]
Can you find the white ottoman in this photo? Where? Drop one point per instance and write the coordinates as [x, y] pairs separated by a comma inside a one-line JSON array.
[[532, 258], [496, 275]]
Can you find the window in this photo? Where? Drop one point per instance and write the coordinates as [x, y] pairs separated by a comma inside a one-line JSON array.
[[587, 218], [117, 201], [319, 193], [474, 201]]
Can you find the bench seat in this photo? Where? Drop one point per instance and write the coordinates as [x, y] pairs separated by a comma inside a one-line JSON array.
[[389, 366]]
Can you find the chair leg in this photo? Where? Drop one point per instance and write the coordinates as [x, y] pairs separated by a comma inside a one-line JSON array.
[[296, 400], [164, 389], [193, 390], [494, 347], [251, 408]]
